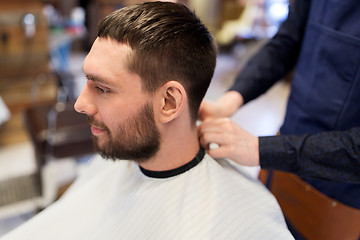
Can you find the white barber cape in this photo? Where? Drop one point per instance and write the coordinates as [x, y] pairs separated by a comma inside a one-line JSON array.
[[205, 199]]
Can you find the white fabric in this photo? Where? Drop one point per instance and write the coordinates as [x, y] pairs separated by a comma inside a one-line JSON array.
[[4, 112], [115, 200]]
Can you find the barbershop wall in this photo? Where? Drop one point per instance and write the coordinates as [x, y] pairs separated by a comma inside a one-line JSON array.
[[38, 36], [43, 142]]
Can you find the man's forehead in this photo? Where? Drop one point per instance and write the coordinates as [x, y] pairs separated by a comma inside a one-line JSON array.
[[110, 51], [111, 45], [107, 58]]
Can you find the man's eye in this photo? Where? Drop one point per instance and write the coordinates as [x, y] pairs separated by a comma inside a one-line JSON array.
[[101, 90]]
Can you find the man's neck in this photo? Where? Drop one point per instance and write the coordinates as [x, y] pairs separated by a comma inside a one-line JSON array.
[[177, 149]]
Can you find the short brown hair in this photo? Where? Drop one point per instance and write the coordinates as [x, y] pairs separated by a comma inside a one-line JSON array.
[[169, 43]]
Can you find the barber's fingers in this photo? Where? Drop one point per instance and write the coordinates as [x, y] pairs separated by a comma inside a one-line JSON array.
[[223, 151], [220, 131], [217, 125], [232, 140], [202, 110], [207, 110], [219, 138], [225, 145], [211, 110]]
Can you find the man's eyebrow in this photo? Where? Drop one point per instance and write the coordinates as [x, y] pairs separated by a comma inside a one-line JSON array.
[[97, 79], [93, 78]]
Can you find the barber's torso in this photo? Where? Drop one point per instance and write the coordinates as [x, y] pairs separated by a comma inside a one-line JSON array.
[[325, 91]]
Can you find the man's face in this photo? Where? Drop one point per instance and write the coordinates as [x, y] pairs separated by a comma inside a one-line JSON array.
[[119, 112], [136, 138]]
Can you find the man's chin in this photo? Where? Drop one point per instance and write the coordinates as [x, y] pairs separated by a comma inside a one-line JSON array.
[[101, 146], [99, 143], [118, 153]]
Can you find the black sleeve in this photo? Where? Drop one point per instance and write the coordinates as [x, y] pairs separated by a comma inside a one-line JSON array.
[[330, 155], [277, 58]]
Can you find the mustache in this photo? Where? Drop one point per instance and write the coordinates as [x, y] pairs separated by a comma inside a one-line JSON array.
[[92, 121]]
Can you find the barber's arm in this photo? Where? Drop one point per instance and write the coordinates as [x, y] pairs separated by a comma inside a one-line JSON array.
[[270, 64], [330, 155], [277, 58]]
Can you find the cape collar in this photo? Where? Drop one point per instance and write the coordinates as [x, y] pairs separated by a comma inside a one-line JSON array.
[[177, 171]]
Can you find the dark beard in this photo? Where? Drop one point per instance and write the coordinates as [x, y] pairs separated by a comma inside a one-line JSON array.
[[136, 139]]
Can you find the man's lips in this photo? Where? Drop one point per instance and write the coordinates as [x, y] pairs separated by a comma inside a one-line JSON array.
[[97, 131]]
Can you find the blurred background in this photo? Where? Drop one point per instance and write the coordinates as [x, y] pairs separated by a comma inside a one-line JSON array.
[[44, 143]]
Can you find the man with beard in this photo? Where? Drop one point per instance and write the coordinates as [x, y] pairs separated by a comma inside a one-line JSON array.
[[147, 72]]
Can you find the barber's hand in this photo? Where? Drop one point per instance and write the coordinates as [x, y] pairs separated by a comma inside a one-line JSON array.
[[234, 142], [225, 106], [209, 110]]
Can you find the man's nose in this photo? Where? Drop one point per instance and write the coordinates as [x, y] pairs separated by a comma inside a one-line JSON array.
[[84, 104]]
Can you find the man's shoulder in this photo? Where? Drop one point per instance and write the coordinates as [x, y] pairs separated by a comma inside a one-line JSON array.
[[234, 170], [99, 168], [241, 206], [227, 178]]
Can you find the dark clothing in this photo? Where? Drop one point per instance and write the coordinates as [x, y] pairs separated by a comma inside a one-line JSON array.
[[320, 40], [325, 92], [327, 156], [277, 58]]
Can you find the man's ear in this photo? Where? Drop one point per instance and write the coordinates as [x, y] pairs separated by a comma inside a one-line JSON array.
[[172, 101]]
